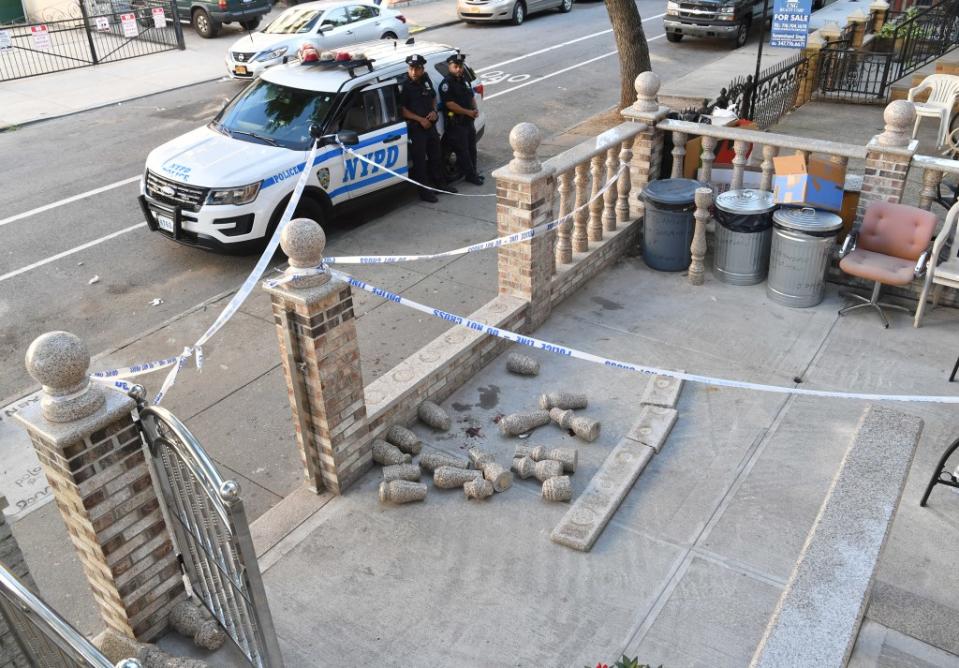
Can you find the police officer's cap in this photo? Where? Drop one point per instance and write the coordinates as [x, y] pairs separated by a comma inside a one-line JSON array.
[[416, 60], [458, 58]]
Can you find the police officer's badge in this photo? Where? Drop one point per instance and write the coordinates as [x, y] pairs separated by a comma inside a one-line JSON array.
[[444, 87], [323, 176]]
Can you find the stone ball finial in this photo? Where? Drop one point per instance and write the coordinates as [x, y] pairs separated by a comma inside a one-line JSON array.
[[525, 139], [879, 5], [815, 40], [830, 30], [857, 16], [899, 116], [647, 86], [303, 241], [59, 362]]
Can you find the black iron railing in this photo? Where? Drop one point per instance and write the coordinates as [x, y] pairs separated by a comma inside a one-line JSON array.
[[923, 35], [130, 29], [770, 97]]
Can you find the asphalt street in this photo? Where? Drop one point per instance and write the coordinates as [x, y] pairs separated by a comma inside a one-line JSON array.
[[75, 253]]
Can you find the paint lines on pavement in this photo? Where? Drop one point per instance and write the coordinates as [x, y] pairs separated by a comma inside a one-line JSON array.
[[562, 71], [71, 251], [68, 200]]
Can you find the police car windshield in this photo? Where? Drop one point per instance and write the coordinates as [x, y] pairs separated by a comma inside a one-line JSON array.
[[294, 21], [267, 113]]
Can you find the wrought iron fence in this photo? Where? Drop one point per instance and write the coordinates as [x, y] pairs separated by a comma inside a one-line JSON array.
[[924, 35], [853, 76], [212, 536], [772, 96], [43, 636], [120, 30]]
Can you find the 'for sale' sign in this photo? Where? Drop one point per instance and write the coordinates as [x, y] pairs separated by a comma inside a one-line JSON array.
[[159, 18], [129, 23], [790, 25]]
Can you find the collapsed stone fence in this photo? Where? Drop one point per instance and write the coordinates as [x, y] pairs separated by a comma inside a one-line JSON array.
[[93, 456]]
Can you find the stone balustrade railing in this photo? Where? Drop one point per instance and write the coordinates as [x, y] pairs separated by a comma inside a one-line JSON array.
[[933, 169]]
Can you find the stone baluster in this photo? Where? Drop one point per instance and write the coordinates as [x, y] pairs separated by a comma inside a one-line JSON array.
[[708, 158], [679, 154], [888, 156], [930, 188], [625, 183], [525, 191], [769, 152], [580, 215], [704, 199], [595, 227], [740, 150], [320, 357], [564, 248], [91, 451], [610, 196]]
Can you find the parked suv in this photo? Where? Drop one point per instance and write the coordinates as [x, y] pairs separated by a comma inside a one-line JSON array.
[[208, 16], [725, 19], [225, 185]]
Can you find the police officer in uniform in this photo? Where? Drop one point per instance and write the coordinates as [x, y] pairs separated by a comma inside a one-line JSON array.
[[418, 107], [459, 103]]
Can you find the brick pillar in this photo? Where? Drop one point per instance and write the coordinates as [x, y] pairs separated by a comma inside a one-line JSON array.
[[857, 18], [94, 460], [648, 145], [321, 363], [12, 559], [879, 10], [888, 157], [524, 199], [807, 87]]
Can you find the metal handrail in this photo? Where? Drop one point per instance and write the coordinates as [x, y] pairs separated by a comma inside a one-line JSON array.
[[55, 628]]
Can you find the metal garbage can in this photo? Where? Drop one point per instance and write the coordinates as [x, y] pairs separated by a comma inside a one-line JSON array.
[[802, 242], [744, 227], [668, 223]]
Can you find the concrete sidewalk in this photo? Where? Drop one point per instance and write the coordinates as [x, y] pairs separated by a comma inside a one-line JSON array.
[[71, 91]]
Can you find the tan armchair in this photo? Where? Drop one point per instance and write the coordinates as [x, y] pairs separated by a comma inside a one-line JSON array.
[[890, 247]]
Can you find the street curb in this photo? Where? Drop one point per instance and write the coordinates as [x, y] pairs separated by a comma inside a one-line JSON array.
[[445, 24], [16, 126]]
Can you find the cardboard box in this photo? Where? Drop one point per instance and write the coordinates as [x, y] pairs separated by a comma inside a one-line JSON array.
[[818, 183]]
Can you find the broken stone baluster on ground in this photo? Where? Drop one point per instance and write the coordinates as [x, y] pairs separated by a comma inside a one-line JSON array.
[[386, 454], [409, 472], [434, 416], [404, 439], [480, 488], [192, 621], [478, 457], [543, 470], [496, 474], [402, 491], [564, 400], [520, 423], [558, 488], [117, 647], [451, 477], [584, 427], [568, 456], [524, 365], [430, 461]]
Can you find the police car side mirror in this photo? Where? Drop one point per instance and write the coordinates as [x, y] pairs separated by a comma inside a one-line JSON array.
[[348, 137]]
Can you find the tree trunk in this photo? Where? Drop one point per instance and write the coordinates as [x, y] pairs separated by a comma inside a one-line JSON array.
[[631, 42]]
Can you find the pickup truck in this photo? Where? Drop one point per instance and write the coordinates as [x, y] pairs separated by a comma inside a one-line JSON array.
[[725, 19]]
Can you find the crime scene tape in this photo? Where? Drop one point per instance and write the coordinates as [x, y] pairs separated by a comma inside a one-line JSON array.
[[376, 165], [616, 364]]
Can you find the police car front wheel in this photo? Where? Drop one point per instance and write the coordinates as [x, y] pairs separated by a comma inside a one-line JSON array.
[[307, 208]]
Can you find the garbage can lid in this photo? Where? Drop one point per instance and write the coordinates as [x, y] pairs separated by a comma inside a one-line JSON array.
[[671, 191], [807, 219], [746, 201]]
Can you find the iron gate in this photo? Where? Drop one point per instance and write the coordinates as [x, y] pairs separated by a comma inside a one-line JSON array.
[[100, 33], [853, 76], [43, 636], [212, 536]]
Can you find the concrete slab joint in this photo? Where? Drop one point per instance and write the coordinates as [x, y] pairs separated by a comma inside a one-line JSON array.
[[321, 364], [91, 452]]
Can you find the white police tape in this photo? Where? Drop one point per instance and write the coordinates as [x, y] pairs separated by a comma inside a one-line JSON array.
[[616, 364], [472, 248], [133, 370], [376, 166]]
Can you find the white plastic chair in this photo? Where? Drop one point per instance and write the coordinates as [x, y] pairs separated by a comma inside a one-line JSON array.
[[944, 88], [943, 275]]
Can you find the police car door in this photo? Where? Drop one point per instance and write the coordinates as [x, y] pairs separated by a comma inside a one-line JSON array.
[[374, 114]]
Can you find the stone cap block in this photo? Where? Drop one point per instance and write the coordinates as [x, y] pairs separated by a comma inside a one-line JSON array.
[[308, 295], [60, 434]]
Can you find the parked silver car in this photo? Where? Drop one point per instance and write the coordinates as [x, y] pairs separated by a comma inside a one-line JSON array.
[[514, 11]]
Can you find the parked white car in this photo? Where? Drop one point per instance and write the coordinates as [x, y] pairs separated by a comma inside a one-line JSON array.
[[326, 24]]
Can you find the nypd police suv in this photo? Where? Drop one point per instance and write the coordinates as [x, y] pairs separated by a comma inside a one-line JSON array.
[[224, 186]]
